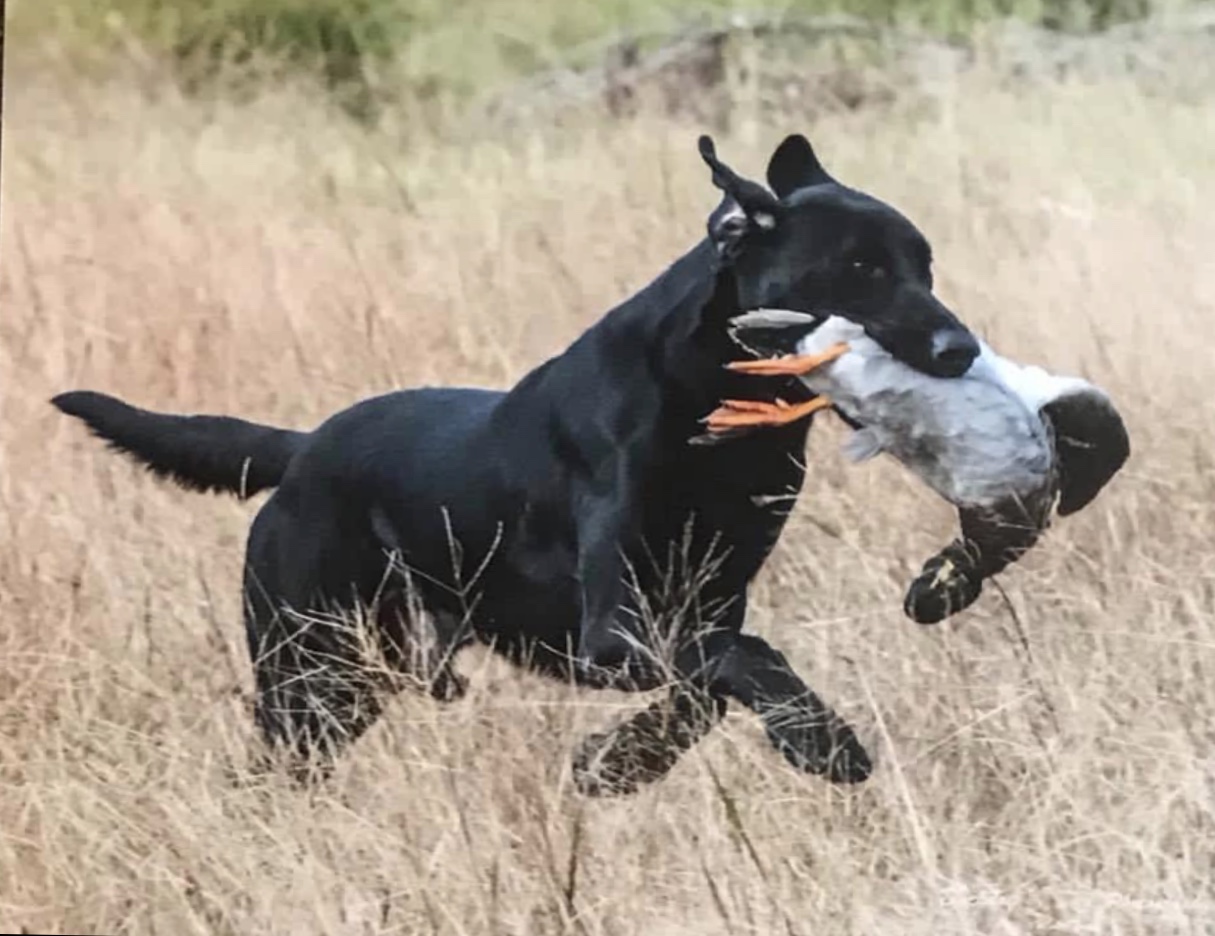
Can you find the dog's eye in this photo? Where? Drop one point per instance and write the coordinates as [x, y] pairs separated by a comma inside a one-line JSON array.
[[868, 269]]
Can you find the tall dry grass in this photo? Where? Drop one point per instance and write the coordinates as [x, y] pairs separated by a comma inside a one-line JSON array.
[[266, 261]]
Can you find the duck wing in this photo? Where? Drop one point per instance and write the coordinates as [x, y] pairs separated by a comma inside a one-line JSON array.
[[863, 444]]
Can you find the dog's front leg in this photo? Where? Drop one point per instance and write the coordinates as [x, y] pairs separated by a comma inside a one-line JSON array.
[[609, 651], [645, 747], [799, 724]]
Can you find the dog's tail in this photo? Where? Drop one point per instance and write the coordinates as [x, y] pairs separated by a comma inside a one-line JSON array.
[[201, 453]]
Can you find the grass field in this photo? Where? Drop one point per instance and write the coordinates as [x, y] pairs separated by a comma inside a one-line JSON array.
[[270, 261]]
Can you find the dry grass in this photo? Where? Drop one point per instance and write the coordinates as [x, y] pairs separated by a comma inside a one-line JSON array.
[[267, 262]]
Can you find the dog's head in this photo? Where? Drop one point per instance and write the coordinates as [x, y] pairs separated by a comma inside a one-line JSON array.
[[818, 247]]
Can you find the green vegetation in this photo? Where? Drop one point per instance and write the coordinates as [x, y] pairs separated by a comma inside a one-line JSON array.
[[365, 50]]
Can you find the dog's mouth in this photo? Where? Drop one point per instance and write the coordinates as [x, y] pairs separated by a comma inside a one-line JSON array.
[[775, 339], [944, 348]]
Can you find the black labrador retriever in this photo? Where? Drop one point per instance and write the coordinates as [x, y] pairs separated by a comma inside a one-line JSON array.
[[567, 522]]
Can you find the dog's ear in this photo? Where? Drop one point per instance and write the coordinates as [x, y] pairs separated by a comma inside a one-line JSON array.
[[746, 207], [794, 165]]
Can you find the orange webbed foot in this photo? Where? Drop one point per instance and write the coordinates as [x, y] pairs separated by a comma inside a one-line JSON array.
[[791, 365], [739, 414]]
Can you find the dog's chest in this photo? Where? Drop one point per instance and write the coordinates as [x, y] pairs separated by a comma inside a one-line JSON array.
[[729, 501], [542, 544]]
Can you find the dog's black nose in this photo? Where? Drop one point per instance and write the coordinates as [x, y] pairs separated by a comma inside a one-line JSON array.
[[953, 350]]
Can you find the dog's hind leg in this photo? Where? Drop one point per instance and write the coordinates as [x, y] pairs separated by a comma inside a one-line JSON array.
[[314, 694], [317, 685], [421, 646]]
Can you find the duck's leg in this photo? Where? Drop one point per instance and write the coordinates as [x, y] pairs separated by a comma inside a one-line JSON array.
[[791, 365], [742, 414], [737, 414]]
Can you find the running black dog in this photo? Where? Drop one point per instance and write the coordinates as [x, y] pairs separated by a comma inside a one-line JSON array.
[[552, 521]]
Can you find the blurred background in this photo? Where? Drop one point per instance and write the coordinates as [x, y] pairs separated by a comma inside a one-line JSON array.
[[273, 208], [427, 63]]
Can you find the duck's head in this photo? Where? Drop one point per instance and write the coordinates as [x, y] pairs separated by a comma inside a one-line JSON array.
[[809, 244]]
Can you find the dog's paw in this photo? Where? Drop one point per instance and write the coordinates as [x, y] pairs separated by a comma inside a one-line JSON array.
[[636, 752], [943, 587], [603, 767], [647, 746], [620, 762], [818, 743], [448, 686]]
